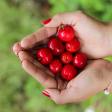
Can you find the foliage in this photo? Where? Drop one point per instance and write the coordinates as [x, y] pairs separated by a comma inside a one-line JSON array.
[[18, 91], [101, 9]]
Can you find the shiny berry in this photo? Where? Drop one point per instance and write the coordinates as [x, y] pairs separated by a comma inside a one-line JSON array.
[[56, 66], [66, 57], [56, 46], [68, 72], [73, 46], [80, 60], [66, 33], [44, 56]]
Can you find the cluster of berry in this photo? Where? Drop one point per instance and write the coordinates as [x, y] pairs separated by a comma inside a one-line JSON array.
[[62, 54]]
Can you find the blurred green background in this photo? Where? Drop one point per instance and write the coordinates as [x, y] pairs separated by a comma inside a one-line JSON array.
[[18, 91]]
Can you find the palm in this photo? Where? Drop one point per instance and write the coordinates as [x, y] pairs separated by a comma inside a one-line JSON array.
[[91, 37], [90, 32]]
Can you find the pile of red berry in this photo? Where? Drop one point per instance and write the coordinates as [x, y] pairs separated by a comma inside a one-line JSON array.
[[62, 54]]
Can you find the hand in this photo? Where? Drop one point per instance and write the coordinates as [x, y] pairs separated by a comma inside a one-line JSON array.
[[93, 34], [93, 79], [92, 71]]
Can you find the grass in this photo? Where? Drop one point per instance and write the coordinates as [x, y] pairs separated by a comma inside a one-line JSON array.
[[18, 91]]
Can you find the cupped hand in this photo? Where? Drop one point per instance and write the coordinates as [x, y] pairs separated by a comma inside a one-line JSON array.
[[91, 32], [95, 77]]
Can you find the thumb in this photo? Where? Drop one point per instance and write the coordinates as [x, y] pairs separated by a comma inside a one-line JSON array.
[[61, 96], [55, 95], [64, 18]]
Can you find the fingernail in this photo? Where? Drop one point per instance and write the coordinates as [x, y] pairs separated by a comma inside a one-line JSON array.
[[45, 93], [46, 21]]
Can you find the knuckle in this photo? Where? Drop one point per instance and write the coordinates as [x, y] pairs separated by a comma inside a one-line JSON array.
[[21, 53], [46, 30], [24, 63]]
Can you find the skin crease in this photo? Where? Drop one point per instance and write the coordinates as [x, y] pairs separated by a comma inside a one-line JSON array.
[[95, 39]]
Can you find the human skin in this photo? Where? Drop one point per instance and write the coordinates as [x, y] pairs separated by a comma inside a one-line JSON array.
[[96, 42]]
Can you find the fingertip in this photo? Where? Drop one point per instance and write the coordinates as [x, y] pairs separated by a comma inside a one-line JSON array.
[[45, 93], [51, 92], [28, 41], [54, 95], [44, 22], [24, 43], [16, 48], [52, 23]]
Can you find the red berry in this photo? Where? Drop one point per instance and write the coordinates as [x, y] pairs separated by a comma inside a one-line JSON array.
[[66, 57], [73, 45], [68, 72], [56, 46], [80, 60], [66, 33], [56, 66], [44, 55]]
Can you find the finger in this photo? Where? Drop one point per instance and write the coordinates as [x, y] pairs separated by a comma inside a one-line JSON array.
[[68, 95], [70, 18], [25, 56], [41, 76], [31, 67], [17, 48], [41, 34], [88, 83], [63, 96]]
